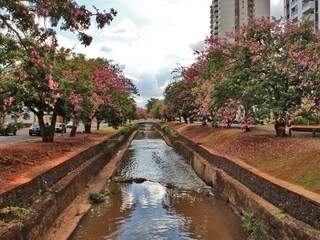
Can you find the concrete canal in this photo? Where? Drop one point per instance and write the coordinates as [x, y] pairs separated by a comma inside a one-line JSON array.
[[157, 195]]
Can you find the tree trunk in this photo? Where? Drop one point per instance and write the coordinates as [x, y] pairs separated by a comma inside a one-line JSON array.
[[280, 127], [73, 131], [246, 128], [191, 120], [98, 125], [185, 119], [47, 131], [204, 121], [87, 127], [51, 130]]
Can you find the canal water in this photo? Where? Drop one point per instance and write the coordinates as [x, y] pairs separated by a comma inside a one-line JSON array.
[[157, 195]]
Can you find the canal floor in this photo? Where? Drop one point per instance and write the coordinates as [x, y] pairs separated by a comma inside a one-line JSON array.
[[170, 203]]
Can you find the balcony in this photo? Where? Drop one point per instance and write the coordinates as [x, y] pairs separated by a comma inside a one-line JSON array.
[[308, 6]]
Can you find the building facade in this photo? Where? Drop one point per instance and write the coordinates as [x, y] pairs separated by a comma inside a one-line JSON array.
[[229, 15], [299, 10]]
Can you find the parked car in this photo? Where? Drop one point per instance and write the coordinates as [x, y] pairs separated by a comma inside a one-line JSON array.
[[61, 128], [70, 125], [34, 130], [8, 128]]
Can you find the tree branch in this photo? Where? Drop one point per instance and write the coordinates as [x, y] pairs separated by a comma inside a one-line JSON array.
[[15, 31]]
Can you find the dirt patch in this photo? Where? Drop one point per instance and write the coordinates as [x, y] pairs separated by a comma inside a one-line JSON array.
[[295, 159], [21, 159]]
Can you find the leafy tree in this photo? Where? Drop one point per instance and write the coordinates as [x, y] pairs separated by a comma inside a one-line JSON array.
[[28, 41], [156, 110], [269, 70], [150, 104], [179, 97], [141, 113]]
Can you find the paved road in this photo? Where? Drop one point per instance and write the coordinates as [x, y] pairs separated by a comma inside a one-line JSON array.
[[22, 135]]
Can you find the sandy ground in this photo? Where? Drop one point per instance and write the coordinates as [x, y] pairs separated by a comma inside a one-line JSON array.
[[20, 162]]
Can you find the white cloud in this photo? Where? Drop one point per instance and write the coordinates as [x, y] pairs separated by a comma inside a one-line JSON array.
[[125, 29]]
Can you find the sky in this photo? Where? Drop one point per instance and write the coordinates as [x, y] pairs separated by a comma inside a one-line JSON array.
[[151, 38]]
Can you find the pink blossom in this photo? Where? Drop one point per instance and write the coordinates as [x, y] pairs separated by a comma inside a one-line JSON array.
[[7, 103], [52, 85]]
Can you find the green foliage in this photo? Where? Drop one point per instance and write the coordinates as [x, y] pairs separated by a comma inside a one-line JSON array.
[[308, 113], [178, 95], [253, 228], [299, 121], [2, 223], [128, 129], [165, 128], [96, 198], [8, 214], [314, 120], [310, 179], [123, 108], [279, 215], [169, 131], [12, 128], [19, 125], [156, 109], [215, 123], [151, 102]]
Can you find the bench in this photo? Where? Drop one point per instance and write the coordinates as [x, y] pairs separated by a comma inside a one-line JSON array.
[[312, 129]]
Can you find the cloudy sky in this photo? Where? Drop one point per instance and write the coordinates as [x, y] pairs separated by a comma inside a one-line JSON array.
[[150, 37]]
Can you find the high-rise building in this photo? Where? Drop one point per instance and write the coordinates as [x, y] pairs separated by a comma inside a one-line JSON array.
[[299, 10], [229, 15]]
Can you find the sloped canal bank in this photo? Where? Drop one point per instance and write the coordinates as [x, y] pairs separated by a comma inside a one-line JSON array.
[[157, 195]]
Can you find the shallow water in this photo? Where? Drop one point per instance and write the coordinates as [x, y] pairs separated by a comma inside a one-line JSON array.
[[166, 206]]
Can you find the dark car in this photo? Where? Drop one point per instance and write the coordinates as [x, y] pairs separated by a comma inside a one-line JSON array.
[[61, 128], [7, 129], [34, 130]]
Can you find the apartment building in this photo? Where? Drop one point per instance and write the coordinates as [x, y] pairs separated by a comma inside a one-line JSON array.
[[229, 15], [299, 10]]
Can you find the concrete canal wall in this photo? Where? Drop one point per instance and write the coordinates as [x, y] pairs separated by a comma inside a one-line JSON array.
[[288, 212], [52, 192]]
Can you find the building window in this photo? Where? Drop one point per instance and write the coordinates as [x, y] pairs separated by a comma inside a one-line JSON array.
[[294, 10]]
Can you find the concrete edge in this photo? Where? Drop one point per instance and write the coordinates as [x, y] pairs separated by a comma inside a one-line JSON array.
[[80, 206], [52, 203], [242, 198]]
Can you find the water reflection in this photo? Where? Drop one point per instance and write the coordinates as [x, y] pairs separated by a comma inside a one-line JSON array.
[[153, 211]]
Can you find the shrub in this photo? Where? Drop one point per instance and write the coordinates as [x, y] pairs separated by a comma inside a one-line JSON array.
[[96, 198], [215, 123], [128, 129], [11, 213], [171, 132], [299, 121], [253, 227]]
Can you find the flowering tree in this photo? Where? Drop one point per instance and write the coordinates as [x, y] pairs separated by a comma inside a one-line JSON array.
[[112, 94], [180, 100], [141, 113], [266, 72], [28, 27], [41, 17], [96, 89]]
